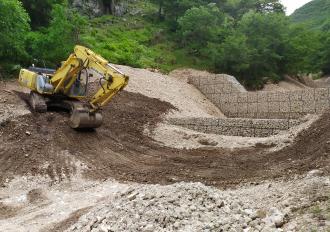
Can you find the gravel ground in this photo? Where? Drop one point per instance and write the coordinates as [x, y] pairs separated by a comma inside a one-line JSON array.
[[267, 207], [189, 101], [298, 205], [10, 111]]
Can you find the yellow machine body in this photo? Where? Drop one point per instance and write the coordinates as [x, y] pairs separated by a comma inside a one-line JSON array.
[[28, 79], [67, 83]]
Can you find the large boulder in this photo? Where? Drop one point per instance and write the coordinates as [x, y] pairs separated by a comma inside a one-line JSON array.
[[89, 7]]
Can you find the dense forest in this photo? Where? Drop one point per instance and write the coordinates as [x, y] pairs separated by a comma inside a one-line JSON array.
[[314, 14], [251, 39]]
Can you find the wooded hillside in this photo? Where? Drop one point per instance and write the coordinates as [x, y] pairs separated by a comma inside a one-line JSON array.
[[315, 14], [250, 39]]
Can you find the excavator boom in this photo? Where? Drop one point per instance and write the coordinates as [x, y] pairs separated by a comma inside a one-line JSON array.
[[114, 79], [65, 87]]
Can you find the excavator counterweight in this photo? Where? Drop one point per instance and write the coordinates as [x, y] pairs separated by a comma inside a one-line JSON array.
[[67, 87]]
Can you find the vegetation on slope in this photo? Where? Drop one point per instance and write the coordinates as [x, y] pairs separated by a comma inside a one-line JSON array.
[[137, 42], [315, 14], [252, 40]]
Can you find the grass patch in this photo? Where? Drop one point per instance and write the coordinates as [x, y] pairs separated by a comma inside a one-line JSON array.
[[138, 42]]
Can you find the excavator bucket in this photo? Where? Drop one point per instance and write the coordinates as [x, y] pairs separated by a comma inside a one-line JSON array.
[[82, 118]]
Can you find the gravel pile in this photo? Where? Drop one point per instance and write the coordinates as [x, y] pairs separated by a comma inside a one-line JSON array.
[[178, 207], [188, 100]]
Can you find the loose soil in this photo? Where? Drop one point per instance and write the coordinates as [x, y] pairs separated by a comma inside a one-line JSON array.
[[44, 144]]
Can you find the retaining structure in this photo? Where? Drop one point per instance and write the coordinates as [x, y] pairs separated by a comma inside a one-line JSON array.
[[236, 126], [235, 102]]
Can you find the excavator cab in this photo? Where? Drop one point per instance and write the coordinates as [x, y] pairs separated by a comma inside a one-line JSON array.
[[79, 87]]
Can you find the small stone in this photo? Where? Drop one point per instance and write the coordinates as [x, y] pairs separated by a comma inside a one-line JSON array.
[[322, 223], [149, 228], [261, 214], [128, 191], [226, 227], [104, 228], [234, 206], [132, 196], [207, 142], [221, 204], [315, 173], [276, 218], [100, 219], [193, 208], [173, 179], [279, 221], [28, 133], [26, 155], [176, 225], [248, 211]]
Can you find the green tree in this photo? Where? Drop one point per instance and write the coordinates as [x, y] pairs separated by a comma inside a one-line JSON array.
[[232, 55], [237, 8], [325, 50], [254, 50], [199, 26], [266, 37], [160, 4], [54, 43], [270, 6], [303, 50], [172, 10], [325, 54], [14, 26], [39, 11]]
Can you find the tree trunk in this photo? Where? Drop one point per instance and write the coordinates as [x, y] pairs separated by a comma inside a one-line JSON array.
[[160, 10], [109, 6], [112, 7]]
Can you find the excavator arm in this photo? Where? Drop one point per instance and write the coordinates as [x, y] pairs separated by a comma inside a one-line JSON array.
[[112, 81]]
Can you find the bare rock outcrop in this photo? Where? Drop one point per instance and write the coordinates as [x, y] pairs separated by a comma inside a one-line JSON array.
[[93, 8]]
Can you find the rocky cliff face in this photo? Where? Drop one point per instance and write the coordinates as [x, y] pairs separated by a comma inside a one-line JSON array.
[[94, 8], [89, 7]]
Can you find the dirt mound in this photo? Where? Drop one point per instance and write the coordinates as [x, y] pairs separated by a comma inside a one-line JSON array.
[[174, 89], [44, 144]]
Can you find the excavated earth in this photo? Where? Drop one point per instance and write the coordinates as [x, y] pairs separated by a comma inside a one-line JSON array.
[[43, 144], [54, 178]]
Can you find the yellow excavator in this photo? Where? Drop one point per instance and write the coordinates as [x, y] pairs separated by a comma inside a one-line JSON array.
[[67, 87]]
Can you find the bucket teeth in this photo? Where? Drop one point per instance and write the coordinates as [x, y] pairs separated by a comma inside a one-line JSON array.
[[82, 118]]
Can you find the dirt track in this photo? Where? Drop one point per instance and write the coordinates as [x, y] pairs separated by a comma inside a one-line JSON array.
[[44, 144]]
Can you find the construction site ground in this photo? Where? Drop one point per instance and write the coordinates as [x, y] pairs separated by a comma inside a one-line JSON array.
[[53, 176]]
